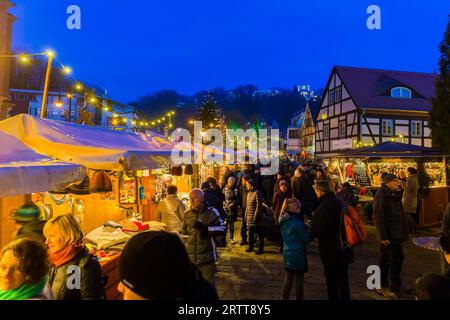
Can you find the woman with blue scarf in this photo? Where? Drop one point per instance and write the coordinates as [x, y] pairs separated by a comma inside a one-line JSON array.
[[24, 266]]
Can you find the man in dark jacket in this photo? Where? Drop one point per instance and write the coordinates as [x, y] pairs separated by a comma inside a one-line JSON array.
[[392, 230], [212, 199], [325, 227], [306, 195], [242, 198], [28, 220], [200, 223]]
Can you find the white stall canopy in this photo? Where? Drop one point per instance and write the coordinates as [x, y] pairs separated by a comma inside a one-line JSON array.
[[23, 171], [93, 147]]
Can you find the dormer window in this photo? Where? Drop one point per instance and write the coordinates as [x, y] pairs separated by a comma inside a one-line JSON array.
[[401, 93]]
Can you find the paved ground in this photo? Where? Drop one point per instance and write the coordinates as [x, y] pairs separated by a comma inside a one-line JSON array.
[[245, 275]]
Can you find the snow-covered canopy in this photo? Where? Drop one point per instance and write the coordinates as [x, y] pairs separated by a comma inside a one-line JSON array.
[[23, 171], [93, 147]]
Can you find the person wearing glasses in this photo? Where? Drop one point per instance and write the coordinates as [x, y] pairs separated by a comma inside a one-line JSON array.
[[24, 266]]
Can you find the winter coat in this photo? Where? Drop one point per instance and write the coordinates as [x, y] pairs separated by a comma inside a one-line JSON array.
[[303, 191], [212, 199], [295, 238], [258, 181], [325, 227], [410, 195], [277, 203], [349, 197], [253, 208], [202, 250], [170, 211], [446, 220], [32, 230], [93, 282], [267, 185], [390, 220], [231, 203], [242, 197]]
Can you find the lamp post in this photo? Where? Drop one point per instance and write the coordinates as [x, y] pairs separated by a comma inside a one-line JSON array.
[[69, 115], [50, 56]]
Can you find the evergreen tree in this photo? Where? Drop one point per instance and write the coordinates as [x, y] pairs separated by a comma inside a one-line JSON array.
[[440, 110], [211, 114]]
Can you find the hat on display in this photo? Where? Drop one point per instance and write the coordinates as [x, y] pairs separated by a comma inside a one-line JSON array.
[[81, 188], [101, 182]]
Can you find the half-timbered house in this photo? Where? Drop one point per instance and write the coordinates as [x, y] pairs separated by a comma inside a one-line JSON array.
[[364, 107], [308, 131]]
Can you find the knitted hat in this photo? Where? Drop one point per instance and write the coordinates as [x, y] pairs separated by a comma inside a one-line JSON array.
[[27, 213], [155, 265]]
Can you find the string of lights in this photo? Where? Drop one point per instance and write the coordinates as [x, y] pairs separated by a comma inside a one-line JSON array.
[[90, 96]]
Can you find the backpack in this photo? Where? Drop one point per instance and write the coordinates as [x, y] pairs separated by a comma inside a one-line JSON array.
[[352, 230]]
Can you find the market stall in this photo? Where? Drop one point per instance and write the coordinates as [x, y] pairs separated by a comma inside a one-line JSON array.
[[117, 188], [364, 167], [22, 172]]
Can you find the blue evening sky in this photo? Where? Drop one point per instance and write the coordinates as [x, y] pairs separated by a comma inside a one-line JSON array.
[[136, 47]]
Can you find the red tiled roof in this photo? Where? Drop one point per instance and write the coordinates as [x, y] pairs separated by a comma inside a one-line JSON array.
[[370, 88]]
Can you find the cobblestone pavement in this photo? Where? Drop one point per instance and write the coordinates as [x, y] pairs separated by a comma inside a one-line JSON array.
[[245, 275]]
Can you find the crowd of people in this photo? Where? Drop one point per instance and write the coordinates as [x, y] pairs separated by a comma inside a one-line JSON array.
[[297, 205]]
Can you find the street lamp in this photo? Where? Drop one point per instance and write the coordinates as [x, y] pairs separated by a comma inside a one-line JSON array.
[[69, 115], [50, 55]]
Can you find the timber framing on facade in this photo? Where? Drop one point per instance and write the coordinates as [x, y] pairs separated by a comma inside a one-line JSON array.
[[308, 132], [364, 107]]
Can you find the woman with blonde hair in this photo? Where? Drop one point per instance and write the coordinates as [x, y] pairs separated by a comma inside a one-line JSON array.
[[75, 274], [295, 239]]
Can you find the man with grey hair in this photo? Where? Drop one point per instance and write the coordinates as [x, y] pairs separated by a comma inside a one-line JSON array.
[[200, 223], [325, 227], [392, 230]]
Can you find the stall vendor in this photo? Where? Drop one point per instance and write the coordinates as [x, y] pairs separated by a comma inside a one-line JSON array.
[[29, 224]]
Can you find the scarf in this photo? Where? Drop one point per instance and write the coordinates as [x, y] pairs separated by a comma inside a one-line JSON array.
[[24, 292], [65, 255]]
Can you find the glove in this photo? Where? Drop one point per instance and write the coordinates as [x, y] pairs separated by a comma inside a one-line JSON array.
[[202, 229]]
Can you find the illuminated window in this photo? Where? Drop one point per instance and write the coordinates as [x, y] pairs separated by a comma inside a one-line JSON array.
[[387, 127], [401, 93], [416, 128]]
